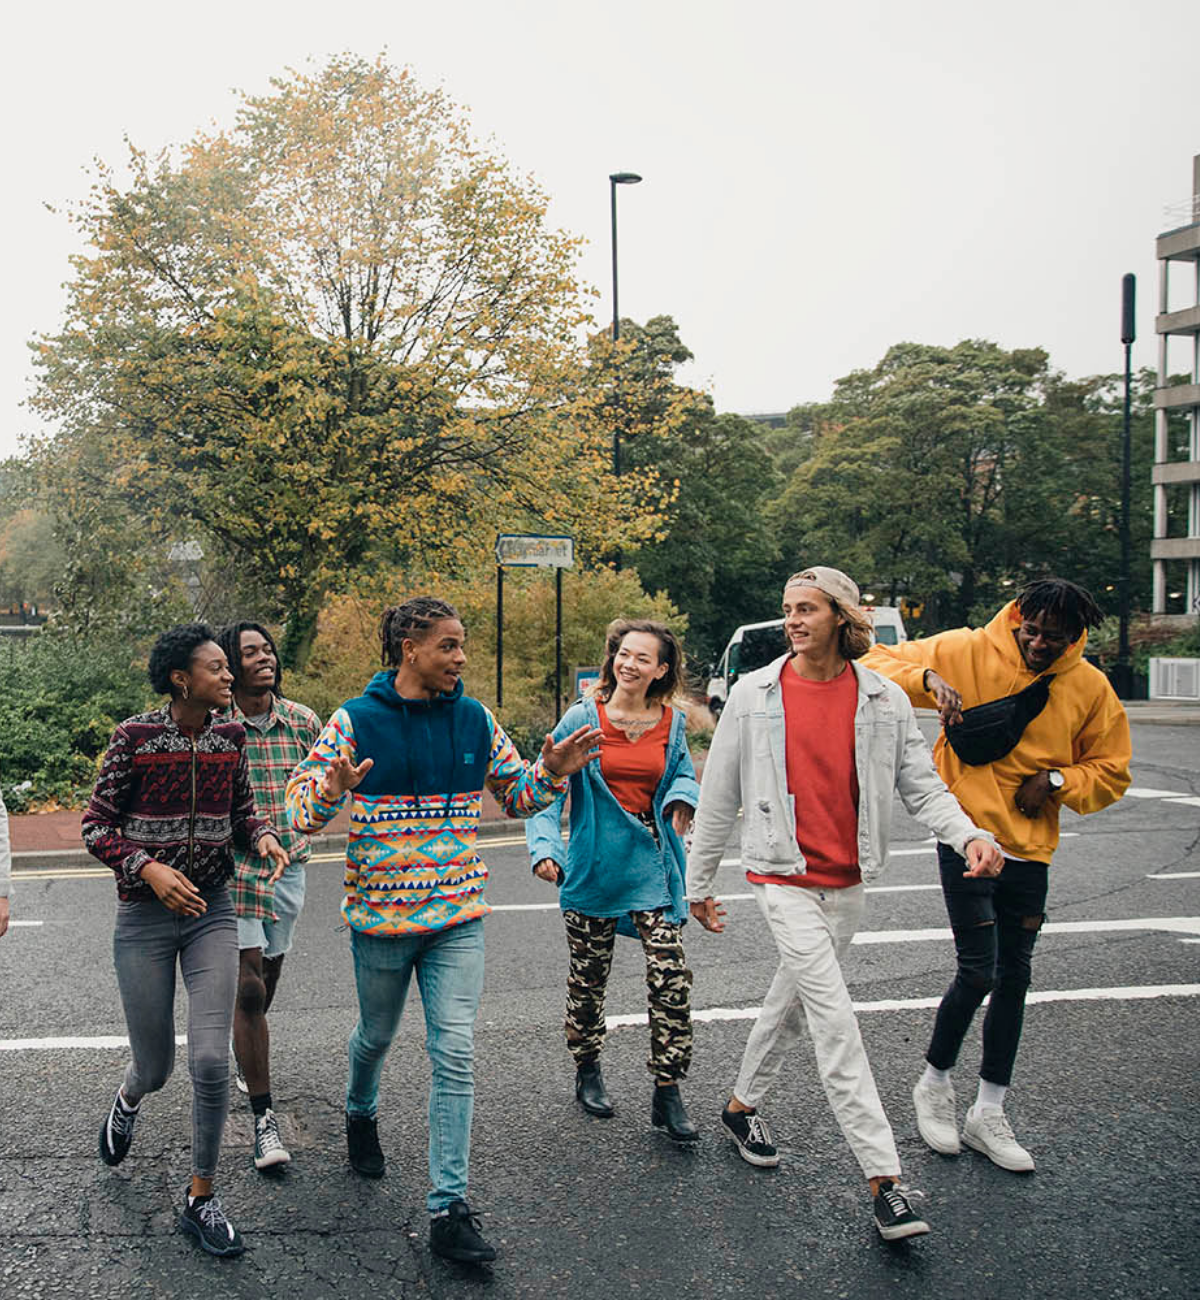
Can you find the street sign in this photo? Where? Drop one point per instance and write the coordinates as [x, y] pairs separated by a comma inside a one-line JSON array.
[[584, 678], [529, 550]]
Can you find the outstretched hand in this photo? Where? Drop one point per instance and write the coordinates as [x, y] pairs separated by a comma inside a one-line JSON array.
[[573, 752], [341, 775], [947, 699]]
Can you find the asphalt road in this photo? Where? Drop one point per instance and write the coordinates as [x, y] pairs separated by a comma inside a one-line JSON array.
[[1106, 1097]]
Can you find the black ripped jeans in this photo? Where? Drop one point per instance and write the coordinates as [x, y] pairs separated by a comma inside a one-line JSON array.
[[995, 922]]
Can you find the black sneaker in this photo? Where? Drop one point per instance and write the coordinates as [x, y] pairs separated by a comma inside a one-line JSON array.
[[894, 1215], [455, 1235], [116, 1133], [362, 1145], [208, 1224], [752, 1136]]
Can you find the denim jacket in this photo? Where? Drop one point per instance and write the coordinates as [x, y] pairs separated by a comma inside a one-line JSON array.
[[611, 865], [747, 768]]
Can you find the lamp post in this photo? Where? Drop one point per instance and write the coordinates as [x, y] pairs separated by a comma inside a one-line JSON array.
[[615, 179], [1124, 673]]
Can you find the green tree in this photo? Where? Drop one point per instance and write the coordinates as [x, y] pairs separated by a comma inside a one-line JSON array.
[[333, 339]]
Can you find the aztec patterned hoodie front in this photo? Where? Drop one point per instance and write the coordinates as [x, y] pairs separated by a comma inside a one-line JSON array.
[[411, 864]]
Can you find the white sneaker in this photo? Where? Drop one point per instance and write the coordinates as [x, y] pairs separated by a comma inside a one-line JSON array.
[[937, 1117], [987, 1130]]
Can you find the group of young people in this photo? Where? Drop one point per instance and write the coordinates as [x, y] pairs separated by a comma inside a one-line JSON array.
[[223, 785]]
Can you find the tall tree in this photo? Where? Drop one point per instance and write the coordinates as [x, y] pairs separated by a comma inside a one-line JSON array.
[[336, 336]]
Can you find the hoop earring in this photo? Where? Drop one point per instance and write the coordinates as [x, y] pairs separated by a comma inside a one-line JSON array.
[[186, 692]]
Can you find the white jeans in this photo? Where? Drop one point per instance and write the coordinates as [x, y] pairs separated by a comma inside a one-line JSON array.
[[812, 930]]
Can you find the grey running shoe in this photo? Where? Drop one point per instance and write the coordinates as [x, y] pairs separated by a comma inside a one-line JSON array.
[[268, 1145], [894, 1216], [752, 1136], [937, 1117], [987, 1130], [116, 1133], [208, 1224]]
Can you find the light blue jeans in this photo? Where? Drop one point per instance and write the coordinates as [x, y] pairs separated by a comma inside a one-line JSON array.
[[449, 969]]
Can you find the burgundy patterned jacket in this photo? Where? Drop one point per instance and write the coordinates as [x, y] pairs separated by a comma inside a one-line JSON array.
[[167, 795]]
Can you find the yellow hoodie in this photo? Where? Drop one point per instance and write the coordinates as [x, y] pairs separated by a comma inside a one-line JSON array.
[[1082, 731]]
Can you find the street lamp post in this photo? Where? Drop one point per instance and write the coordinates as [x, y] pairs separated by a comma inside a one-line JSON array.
[[1124, 673], [615, 179]]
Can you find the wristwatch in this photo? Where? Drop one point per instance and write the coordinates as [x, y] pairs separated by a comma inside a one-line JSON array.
[[1055, 778]]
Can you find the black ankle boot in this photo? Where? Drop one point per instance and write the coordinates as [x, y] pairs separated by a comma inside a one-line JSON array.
[[362, 1143], [589, 1090], [667, 1111]]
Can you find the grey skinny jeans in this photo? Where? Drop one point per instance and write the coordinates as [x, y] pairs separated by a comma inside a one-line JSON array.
[[147, 942]]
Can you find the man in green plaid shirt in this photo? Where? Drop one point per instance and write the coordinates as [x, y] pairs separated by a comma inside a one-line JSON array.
[[279, 734]]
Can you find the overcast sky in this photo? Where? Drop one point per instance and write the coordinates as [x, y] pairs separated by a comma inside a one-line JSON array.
[[821, 179]]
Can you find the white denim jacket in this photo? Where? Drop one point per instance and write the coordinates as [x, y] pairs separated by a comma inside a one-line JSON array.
[[747, 768]]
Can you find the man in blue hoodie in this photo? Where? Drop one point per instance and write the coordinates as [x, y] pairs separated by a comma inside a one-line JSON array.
[[415, 753]]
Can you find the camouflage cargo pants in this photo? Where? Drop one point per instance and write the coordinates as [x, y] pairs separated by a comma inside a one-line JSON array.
[[590, 940]]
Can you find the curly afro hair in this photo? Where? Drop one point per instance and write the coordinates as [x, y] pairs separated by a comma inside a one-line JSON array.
[[174, 649]]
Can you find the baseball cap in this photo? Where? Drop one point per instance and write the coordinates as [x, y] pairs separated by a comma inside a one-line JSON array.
[[833, 582]]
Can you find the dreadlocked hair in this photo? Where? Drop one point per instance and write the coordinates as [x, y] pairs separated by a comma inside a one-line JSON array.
[[410, 621], [230, 640], [1063, 601]]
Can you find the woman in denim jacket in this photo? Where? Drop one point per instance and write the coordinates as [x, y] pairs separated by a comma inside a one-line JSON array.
[[624, 866]]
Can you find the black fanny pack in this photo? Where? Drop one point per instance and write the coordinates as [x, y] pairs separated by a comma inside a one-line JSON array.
[[989, 731]]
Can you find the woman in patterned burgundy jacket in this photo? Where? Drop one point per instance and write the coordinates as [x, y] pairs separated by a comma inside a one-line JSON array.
[[173, 794]]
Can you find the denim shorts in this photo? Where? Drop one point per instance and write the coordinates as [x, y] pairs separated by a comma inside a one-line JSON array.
[[275, 937]]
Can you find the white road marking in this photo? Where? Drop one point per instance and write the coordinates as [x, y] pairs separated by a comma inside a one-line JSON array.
[[1132, 993], [12, 923], [1145, 792], [1175, 875], [1170, 924], [1129, 993]]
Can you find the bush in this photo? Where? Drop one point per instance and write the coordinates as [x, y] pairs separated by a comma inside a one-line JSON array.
[[60, 699]]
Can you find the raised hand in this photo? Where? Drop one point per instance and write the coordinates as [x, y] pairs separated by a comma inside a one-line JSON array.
[[341, 775], [270, 847], [175, 891], [572, 753]]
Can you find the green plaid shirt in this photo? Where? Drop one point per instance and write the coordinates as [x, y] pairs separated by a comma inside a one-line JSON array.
[[273, 751]]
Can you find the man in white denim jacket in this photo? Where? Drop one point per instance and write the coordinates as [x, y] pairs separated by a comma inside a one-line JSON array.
[[812, 749]]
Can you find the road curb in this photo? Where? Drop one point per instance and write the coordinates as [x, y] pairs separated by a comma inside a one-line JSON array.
[[33, 859]]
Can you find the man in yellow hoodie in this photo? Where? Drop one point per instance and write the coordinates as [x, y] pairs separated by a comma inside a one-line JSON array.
[[1074, 750]]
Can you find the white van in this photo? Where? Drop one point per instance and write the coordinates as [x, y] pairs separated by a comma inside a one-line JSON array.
[[754, 645]]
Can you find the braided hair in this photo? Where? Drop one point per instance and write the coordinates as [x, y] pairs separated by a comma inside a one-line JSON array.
[[174, 649], [230, 640], [410, 621], [1071, 606]]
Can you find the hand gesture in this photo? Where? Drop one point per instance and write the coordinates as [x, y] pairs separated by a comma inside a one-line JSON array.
[[341, 775], [548, 869], [681, 816], [949, 701], [984, 859], [270, 847], [709, 913], [573, 752], [175, 891]]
